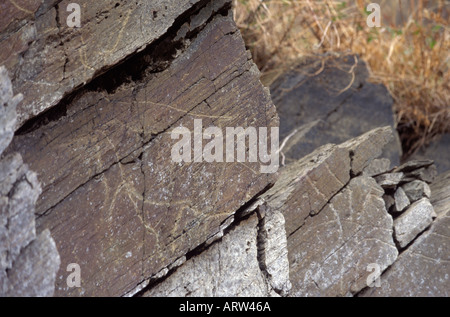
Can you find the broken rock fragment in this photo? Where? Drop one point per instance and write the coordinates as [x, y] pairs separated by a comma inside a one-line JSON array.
[[401, 200], [413, 221], [390, 180], [417, 189]]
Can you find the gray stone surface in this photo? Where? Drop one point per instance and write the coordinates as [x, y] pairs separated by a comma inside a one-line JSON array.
[[250, 260], [49, 58], [8, 105], [34, 272], [389, 180], [330, 254], [438, 150], [328, 99], [413, 165], [28, 264], [401, 200], [416, 190], [366, 147], [423, 269], [377, 166], [440, 194], [426, 174], [333, 218], [413, 221]]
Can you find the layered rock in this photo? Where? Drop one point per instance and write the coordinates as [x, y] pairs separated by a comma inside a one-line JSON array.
[[250, 260], [423, 268], [28, 263], [337, 224], [49, 57], [116, 202], [97, 124]]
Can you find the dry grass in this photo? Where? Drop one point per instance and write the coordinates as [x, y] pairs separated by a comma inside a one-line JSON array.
[[409, 53]]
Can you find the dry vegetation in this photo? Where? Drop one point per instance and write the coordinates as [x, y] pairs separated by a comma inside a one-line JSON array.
[[409, 53]]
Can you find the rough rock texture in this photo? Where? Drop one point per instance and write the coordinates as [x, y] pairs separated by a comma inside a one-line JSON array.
[[250, 260], [327, 99], [440, 197], [377, 166], [333, 217], [49, 59], [438, 151], [415, 190], [114, 200], [335, 247], [423, 269], [8, 113], [28, 264], [413, 221], [100, 103], [401, 200]]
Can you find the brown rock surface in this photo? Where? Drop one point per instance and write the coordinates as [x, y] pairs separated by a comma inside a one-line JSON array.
[[115, 201], [49, 59]]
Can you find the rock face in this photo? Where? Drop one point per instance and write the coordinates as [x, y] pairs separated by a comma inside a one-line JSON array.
[[117, 204], [327, 99], [99, 123], [246, 262], [437, 151], [423, 268], [333, 217], [28, 263], [49, 57]]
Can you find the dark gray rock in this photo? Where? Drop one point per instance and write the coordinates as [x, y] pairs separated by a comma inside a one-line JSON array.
[[439, 151], [426, 174], [416, 190], [413, 165], [389, 180], [328, 99], [401, 200]]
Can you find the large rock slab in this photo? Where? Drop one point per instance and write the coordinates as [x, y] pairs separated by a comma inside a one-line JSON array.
[[48, 58], [333, 217], [115, 201], [327, 99], [331, 253], [438, 151]]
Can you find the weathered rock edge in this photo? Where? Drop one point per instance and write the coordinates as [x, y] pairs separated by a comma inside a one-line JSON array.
[[28, 263]]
